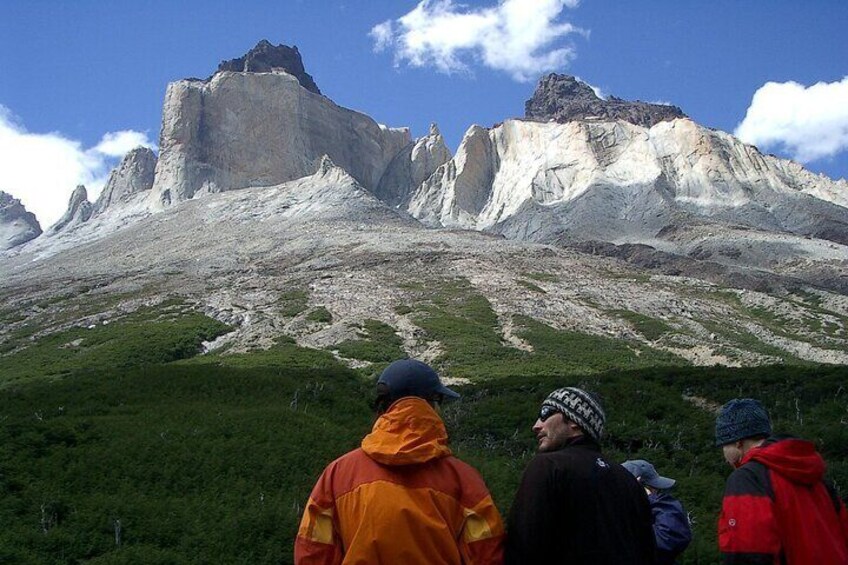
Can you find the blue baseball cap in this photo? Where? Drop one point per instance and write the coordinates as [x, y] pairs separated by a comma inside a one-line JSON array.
[[410, 377], [647, 475]]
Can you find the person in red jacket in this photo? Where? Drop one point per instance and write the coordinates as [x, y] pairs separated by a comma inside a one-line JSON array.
[[777, 508], [402, 498]]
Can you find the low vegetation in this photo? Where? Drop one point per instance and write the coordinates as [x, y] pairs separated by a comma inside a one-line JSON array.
[[293, 302], [378, 344], [128, 447], [651, 329], [147, 337]]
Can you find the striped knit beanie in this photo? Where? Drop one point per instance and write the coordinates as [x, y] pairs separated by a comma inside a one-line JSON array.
[[581, 407]]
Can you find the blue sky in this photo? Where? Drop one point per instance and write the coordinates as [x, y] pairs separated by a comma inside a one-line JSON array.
[[73, 72]]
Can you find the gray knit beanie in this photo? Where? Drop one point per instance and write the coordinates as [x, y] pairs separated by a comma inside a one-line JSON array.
[[581, 407], [741, 418]]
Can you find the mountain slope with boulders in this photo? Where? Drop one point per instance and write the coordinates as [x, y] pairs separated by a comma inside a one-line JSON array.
[[661, 234]]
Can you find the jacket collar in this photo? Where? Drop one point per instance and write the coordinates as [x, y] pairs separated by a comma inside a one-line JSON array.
[[583, 441]]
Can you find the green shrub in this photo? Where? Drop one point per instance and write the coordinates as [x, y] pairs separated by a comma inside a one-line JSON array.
[[320, 315], [382, 344], [651, 328], [293, 302]]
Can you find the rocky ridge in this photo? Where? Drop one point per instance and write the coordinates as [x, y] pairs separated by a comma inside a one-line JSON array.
[[133, 175], [626, 184], [17, 226], [263, 186], [412, 166], [234, 254]]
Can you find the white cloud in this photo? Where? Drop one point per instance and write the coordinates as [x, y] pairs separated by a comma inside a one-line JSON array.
[[596, 89], [521, 37], [119, 143], [42, 169], [807, 123]]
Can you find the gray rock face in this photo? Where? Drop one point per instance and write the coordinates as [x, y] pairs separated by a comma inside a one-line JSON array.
[[247, 129], [134, 174], [266, 57], [79, 211], [625, 184], [411, 167], [17, 226], [563, 98]]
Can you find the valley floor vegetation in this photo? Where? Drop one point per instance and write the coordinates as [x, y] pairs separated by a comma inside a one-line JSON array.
[[119, 444]]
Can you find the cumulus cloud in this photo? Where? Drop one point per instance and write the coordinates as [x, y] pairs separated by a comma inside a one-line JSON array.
[[521, 37], [808, 123], [119, 143], [42, 169]]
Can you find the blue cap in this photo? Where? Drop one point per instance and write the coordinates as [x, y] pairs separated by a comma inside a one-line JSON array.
[[741, 418], [409, 377], [647, 475]]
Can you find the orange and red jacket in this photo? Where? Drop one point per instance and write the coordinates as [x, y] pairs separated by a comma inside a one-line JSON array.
[[402, 498], [778, 510]]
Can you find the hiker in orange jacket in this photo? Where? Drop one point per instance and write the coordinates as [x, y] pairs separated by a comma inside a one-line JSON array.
[[401, 497]]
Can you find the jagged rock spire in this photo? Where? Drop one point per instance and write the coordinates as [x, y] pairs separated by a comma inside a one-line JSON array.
[[133, 175], [325, 165], [79, 210]]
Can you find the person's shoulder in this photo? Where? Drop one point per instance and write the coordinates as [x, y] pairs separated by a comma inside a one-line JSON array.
[[752, 478], [665, 500], [460, 467], [468, 479], [551, 462], [354, 457]]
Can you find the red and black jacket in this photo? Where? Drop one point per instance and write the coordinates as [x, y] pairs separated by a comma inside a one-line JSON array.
[[777, 509]]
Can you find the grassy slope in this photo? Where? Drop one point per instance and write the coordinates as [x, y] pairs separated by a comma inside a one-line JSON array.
[[211, 459]]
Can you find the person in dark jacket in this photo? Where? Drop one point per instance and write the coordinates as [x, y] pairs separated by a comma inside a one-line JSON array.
[[573, 505], [671, 524], [776, 507]]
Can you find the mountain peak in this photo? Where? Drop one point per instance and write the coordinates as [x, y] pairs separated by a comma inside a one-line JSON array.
[[266, 57], [17, 226], [78, 212], [564, 98]]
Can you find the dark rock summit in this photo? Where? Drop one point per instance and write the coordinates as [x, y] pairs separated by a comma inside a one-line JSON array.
[[265, 57], [563, 98], [17, 226]]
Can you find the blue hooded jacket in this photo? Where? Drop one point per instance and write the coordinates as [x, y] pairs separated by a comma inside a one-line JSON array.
[[671, 527]]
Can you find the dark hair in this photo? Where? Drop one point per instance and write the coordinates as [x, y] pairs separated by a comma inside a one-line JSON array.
[[383, 400]]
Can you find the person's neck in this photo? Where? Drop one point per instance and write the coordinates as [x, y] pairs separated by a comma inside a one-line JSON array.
[[749, 444]]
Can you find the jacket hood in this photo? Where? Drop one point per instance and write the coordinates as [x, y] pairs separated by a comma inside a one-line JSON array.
[[409, 432], [795, 459]]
